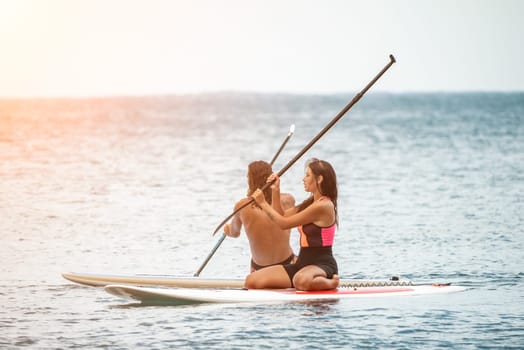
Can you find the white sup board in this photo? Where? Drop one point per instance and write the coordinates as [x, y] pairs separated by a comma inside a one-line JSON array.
[[185, 296], [101, 280]]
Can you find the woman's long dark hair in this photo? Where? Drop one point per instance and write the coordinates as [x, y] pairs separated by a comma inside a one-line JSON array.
[[328, 187], [257, 174]]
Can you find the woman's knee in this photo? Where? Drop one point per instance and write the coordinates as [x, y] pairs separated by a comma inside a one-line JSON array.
[[308, 278], [302, 281]]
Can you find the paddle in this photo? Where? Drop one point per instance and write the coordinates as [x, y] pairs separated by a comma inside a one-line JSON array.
[[291, 131], [316, 138], [219, 242]]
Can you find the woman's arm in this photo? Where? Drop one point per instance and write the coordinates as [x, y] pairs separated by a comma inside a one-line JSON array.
[[318, 213], [275, 193], [283, 203]]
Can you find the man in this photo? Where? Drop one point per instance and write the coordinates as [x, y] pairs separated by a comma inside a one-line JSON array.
[[269, 244]]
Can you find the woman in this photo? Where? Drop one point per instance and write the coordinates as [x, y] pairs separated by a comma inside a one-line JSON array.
[[316, 218]]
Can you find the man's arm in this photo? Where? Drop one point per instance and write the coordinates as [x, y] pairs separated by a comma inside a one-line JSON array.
[[233, 229], [287, 201]]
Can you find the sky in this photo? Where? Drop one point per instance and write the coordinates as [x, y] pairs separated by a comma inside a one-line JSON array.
[[82, 48]]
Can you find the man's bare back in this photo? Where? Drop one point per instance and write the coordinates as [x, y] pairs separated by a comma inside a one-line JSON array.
[[269, 244]]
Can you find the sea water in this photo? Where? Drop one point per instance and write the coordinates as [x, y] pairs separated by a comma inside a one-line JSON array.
[[431, 188]]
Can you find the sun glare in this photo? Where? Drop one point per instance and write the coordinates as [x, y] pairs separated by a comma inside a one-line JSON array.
[[12, 15]]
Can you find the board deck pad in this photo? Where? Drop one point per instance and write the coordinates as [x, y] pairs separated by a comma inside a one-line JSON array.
[[186, 296]]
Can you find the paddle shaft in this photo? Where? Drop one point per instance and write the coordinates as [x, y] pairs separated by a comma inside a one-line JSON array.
[[291, 131], [210, 255], [219, 242], [319, 135]]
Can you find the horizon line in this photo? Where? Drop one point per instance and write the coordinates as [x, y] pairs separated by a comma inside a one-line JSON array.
[[250, 92]]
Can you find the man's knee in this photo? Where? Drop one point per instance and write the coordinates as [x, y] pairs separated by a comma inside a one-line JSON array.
[[252, 282]]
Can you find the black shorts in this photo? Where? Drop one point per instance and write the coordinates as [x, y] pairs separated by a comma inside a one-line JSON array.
[[318, 256], [289, 260]]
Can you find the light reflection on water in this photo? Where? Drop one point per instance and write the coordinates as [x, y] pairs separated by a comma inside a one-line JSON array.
[[431, 188]]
